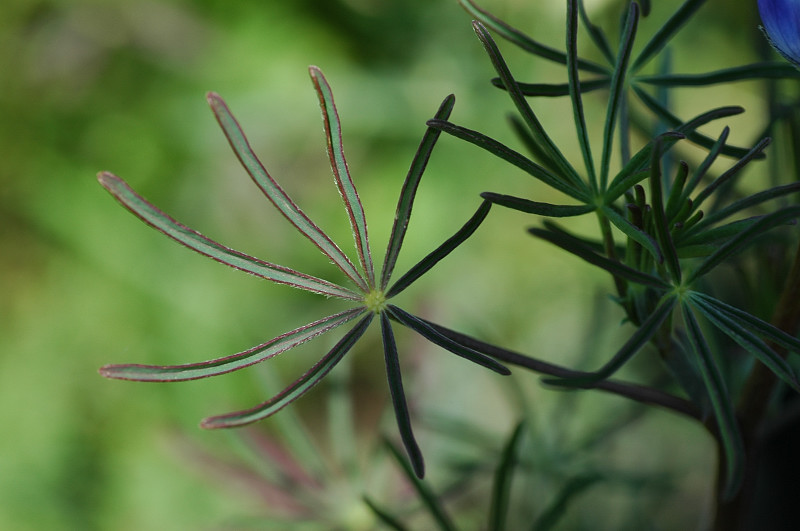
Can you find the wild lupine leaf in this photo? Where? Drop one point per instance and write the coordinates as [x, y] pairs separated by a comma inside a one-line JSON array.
[[395, 379], [193, 371], [744, 238], [640, 337], [575, 90], [501, 488], [765, 70], [663, 234], [430, 333], [721, 403], [596, 34], [667, 31], [716, 236], [208, 247], [580, 249], [535, 207], [737, 330], [554, 155], [673, 121], [409, 191], [438, 254], [674, 206], [617, 88], [523, 41], [731, 172], [275, 193], [426, 495], [311, 378], [751, 322], [633, 232], [577, 191], [352, 203], [703, 167], [554, 90]]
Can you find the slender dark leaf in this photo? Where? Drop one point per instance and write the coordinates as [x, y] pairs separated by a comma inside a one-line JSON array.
[[643, 334], [578, 191], [518, 38], [501, 488], [662, 231], [193, 371], [341, 173], [747, 202], [580, 249], [535, 207], [275, 193], [745, 238], [667, 31], [426, 495], [409, 191], [702, 169], [575, 90], [554, 90], [617, 88], [766, 70], [731, 172], [304, 384], [634, 232], [731, 439], [399, 403], [425, 265], [428, 332], [737, 330], [558, 507], [636, 169], [596, 34], [556, 158], [208, 247]]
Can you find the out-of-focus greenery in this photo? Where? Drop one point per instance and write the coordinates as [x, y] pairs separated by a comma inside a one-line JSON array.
[[88, 86]]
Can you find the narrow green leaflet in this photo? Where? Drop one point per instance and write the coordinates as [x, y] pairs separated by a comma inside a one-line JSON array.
[[736, 330], [765, 70], [352, 203], [523, 41], [275, 193], [596, 34], [704, 166], [636, 170], [409, 191], [643, 334], [744, 238], [311, 378], [438, 254], [426, 495], [558, 507], [617, 89], [395, 379], [556, 158], [384, 516], [575, 90], [205, 246], [577, 190], [193, 371], [554, 90], [432, 335], [579, 248], [501, 488], [633, 232], [731, 172], [535, 207], [663, 233], [724, 414], [751, 322], [667, 31]]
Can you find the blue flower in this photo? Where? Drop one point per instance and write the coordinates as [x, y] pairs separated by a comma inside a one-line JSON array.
[[781, 20]]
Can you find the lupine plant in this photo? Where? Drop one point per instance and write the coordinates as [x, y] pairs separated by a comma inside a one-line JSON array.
[[664, 229]]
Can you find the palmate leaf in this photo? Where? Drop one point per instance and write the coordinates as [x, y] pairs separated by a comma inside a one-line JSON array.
[[205, 246], [304, 384], [730, 438], [341, 173], [275, 193], [409, 191], [736, 329], [193, 371]]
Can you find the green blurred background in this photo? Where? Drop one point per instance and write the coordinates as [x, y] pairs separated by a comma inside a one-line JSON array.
[[114, 85]]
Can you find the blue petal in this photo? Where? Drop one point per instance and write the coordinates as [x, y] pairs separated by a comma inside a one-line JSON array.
[[781, 20]]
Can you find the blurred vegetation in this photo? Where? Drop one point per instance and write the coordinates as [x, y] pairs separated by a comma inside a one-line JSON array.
[[88, 86]]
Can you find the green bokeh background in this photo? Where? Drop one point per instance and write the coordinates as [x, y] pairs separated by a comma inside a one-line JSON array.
[[114, 85]]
